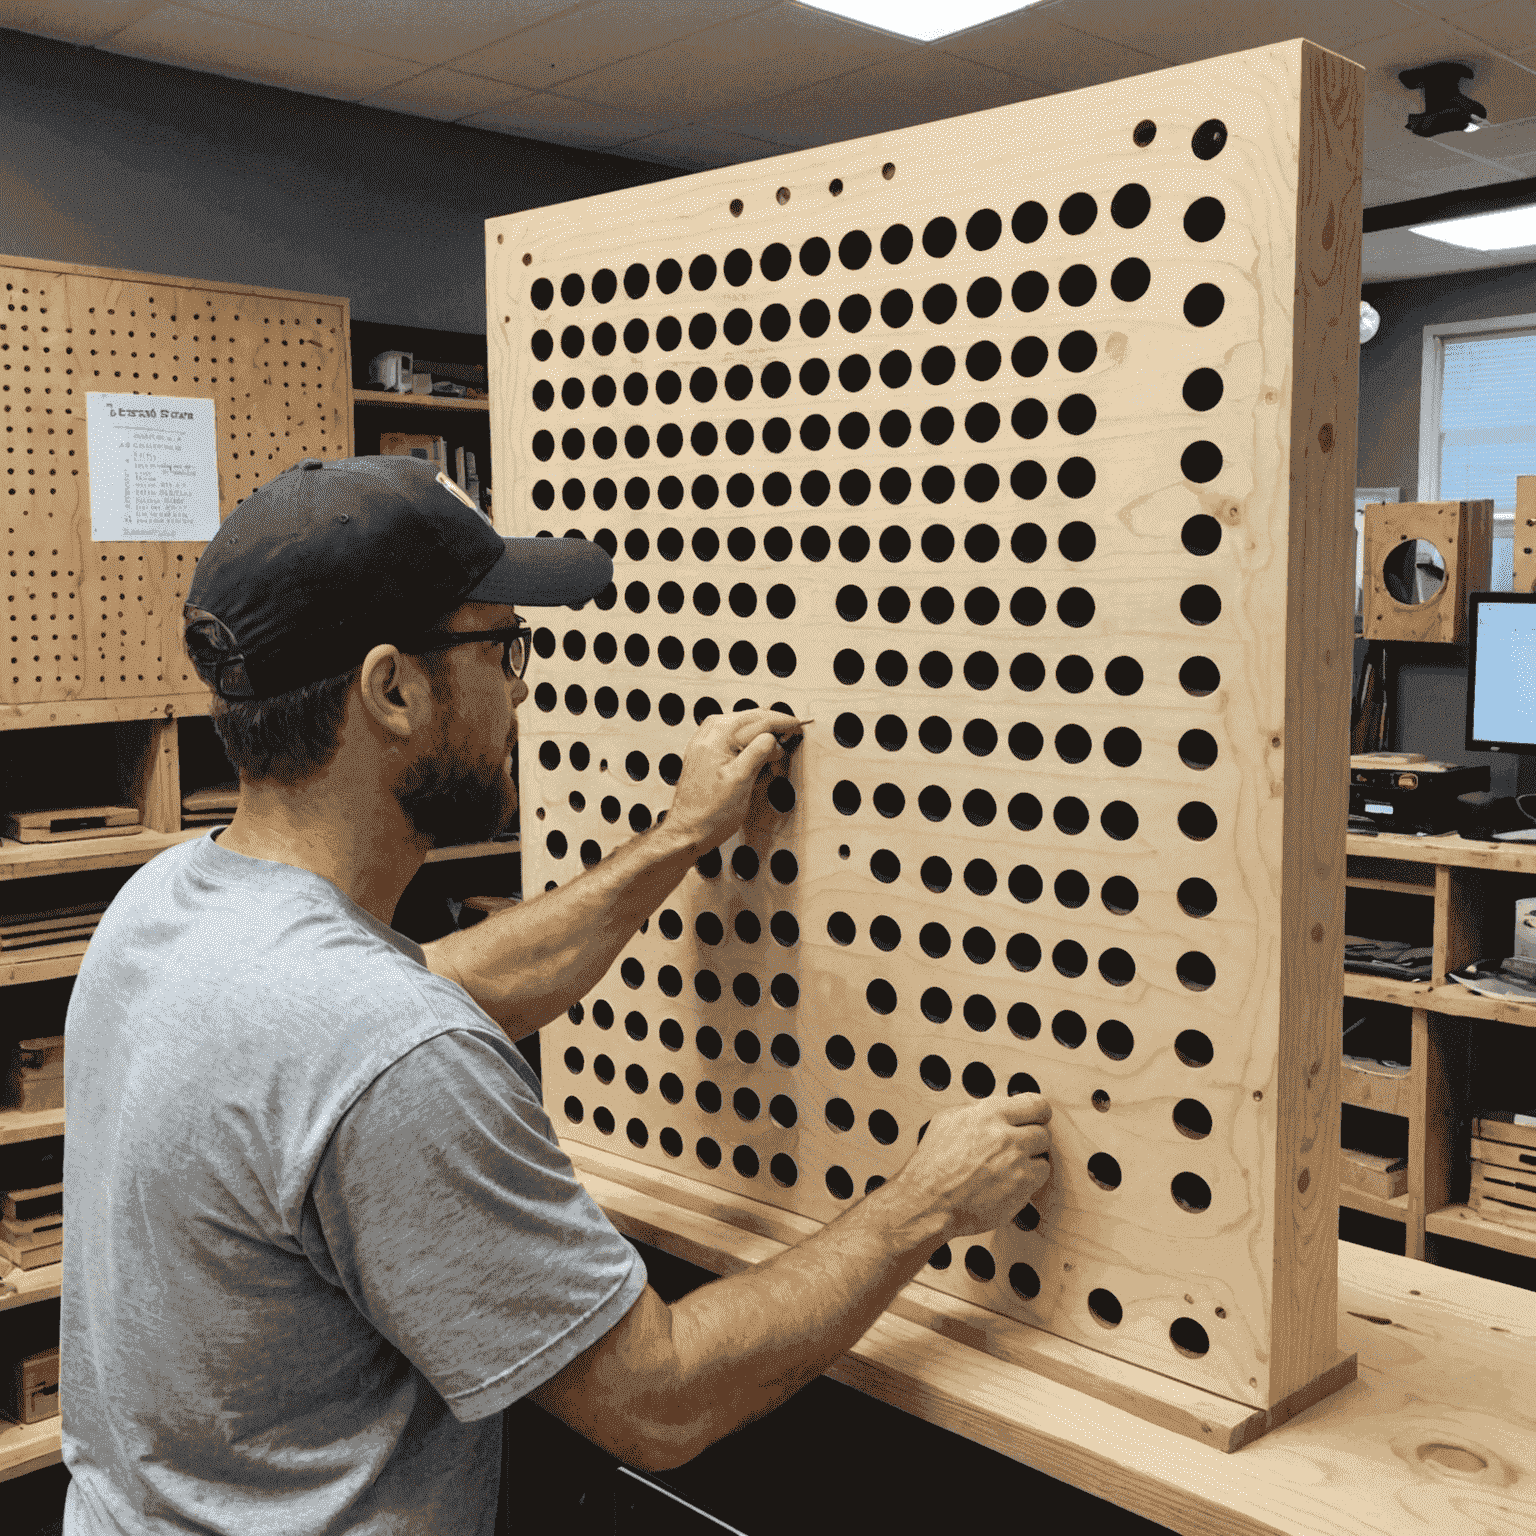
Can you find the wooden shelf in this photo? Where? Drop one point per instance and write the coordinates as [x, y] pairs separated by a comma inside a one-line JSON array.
[[1461, 1221], [1386, 989], [1458, 852], [21, 861], [1397, 887], [30, 1285], [1395, 1209], [419, 402], [29, 1125], [472, 851], [27, 1447]]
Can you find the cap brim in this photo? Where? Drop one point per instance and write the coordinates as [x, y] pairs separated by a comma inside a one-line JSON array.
[[544, 573]]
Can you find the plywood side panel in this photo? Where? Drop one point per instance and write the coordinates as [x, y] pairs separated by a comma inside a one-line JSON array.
[[1314, 746], [980, 443], [100, 623]]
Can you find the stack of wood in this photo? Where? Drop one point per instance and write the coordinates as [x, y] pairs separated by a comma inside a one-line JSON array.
[[1504, 1171], [72, 821], [31, 1388], [32, 932], [210, 807], [1374, 1173], [32, 1226], [36, 1076]]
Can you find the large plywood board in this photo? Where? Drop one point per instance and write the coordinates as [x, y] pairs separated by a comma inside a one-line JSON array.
[[92, 631], [1017, 450]]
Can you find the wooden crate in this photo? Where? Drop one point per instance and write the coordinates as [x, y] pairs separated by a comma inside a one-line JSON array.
[[35, 1079], [1463, 533], [32, 1388], [1018, 451], [32, 1226], [1504, 1172]]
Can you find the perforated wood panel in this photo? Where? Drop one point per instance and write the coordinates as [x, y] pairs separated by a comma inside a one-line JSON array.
[[93, 630], [1017, 451]]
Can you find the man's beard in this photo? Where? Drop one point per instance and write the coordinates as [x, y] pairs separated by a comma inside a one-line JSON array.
[[450, 800]]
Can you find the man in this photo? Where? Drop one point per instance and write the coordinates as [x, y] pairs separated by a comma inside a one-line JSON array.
[[318, 1230]]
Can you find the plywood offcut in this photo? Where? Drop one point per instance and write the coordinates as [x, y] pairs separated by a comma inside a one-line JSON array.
[[1018, 450]]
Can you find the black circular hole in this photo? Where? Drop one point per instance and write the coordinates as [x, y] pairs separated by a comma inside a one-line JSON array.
[[815, 255], [708, 1151], [1077, 285], [1073, 743], [839, 1114], [1191, 1193], [1024, 812], [1078, 213], [1194, 1048], [936, 875], [1104, 1305], [1068, 1029], [1200, 676], [840, 1183], [1115, 1039], [935, 1073], [1195, 970], [1200, 604], [884, 866], [1122, 746], [1130, 205], [1197, 821], [1104, 1170], [1119, 820], [1209, 139], [1071, 888], [1197, 897], [1192, 1118], [1203, 304], [1204, 219], [774, 262]]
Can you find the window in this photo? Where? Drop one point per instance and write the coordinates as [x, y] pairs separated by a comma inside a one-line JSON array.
[[1477, 429]]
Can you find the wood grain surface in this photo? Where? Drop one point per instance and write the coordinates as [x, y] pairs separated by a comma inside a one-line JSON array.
[[1017, 451], [92, 630]]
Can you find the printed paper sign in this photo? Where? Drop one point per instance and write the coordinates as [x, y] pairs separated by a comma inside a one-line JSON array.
[[154, 467]]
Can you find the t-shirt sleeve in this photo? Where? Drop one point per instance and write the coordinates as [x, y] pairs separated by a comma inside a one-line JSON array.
[[447, 1211]]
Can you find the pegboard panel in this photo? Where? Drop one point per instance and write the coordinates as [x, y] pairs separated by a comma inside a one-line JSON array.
[[1017, 450], [93, 630]]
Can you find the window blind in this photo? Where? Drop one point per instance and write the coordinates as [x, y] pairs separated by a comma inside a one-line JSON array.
[[1487, 417]]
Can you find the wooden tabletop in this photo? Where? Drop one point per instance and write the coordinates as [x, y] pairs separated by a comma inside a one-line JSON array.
[[1436, 1436]]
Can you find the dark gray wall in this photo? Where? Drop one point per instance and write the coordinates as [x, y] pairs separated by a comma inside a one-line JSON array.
[[1432, 693], [110, 161]]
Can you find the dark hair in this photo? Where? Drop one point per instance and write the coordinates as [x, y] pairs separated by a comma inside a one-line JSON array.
[[289, 738]]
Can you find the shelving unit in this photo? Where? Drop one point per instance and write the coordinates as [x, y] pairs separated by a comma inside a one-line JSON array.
[[1469, 890], [149, 750]]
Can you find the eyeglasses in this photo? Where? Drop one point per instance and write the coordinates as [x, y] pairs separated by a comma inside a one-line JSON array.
[[516, 645]]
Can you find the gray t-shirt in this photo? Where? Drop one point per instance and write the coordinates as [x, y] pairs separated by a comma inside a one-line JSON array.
[[317, 1229]]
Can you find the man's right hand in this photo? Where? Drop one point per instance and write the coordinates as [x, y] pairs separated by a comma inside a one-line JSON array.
[[978, 1165]]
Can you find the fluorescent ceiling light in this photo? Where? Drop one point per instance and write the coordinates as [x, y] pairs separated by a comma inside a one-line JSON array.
[[1502, 231], [924, 20]]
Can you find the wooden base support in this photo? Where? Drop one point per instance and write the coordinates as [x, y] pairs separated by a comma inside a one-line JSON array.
[[727, 1233]]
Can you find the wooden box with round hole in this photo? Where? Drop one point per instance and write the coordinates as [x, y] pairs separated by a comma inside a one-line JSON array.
[[1422, 559], [1018, 450]]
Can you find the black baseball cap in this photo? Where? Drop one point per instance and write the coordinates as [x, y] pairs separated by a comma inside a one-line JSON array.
[[333, 557]]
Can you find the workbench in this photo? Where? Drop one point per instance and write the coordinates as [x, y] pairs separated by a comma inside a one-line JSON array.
[[1436, 1435]]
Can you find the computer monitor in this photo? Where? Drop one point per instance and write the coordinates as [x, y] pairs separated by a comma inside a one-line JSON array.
[[1501, 678]]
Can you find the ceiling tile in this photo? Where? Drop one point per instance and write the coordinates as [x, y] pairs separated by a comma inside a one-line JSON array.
[[1182, 31], [1033, 44], [896, 93], [541, 115], [1502, 24], [73, 21], [446, 94], [696, 147], [175, 34], [580, 41], [427, 34], [764, 54]]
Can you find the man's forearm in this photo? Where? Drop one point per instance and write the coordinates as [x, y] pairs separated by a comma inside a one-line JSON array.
[[747, 1343], [528, 964]]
